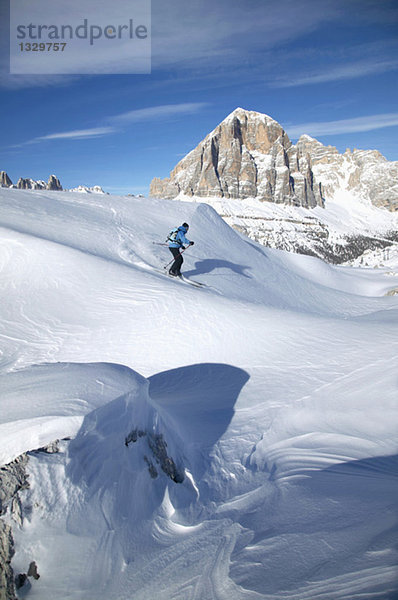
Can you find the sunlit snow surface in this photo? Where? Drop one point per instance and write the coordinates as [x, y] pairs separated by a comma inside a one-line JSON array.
[[274, 387]]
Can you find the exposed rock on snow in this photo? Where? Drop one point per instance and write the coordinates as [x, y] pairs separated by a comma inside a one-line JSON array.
[[32, 571], [378, 258], [22, 579], [151, 467], [393, 292], [133, 436], [51, 448], [158, 446], [7, 590], [12, 479]]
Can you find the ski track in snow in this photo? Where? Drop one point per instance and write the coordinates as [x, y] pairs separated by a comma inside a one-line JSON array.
[[274, 388]]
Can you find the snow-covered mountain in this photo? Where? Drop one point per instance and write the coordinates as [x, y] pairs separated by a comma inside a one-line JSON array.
[[366, 175], [236, 441], [339, 233], [95, 189], [248, 170]]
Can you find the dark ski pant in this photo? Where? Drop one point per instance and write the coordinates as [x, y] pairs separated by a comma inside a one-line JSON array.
[[175, 268]]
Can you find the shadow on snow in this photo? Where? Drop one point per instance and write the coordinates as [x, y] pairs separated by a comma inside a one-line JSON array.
[[208, 265], [199, 398]]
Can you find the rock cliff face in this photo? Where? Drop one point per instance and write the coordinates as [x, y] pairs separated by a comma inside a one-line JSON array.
[[54, 183], [7, 588], [366, 174], [250, 155], [5, 181], [30, 184], [13, 478]]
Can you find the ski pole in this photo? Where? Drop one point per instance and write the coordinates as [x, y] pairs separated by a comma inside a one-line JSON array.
[[173, 259], [160, 243]]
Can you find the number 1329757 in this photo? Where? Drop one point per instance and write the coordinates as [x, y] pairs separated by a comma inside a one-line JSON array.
[[42, 46]]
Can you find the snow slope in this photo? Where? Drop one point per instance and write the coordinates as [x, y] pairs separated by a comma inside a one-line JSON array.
[[346, 227], [260, 410]]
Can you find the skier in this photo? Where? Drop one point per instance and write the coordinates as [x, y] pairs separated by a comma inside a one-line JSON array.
[[177, 240]]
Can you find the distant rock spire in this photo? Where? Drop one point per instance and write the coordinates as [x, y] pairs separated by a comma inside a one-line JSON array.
[[54, 183], [24, 184], [5, 181]]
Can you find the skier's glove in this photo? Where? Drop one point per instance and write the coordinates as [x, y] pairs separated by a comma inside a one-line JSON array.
[[191, 243], [182, 247]]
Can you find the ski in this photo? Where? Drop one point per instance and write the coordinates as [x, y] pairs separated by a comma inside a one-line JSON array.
[[181, 278], [194, 283], [188, 281]]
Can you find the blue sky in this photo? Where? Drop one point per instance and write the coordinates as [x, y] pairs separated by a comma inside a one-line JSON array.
[[327, 68]]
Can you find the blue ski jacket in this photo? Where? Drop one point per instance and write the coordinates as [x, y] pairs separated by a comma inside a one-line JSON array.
[[180, 240]]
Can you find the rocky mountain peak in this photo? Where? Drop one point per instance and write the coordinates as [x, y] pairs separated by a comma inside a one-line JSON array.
[[5, 181], [255, 130], [249, 115], [249, 155]]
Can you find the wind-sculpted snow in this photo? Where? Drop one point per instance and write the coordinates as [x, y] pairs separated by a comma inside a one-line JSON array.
[[236, 441], [98, 487], [42, 403]]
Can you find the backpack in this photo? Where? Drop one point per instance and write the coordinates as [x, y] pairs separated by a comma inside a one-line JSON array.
[[172, 235]]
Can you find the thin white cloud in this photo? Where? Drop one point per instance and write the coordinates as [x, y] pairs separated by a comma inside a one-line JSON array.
[[157, 112], [349, 71], [357, 124], [120, 121], [76, 134]]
